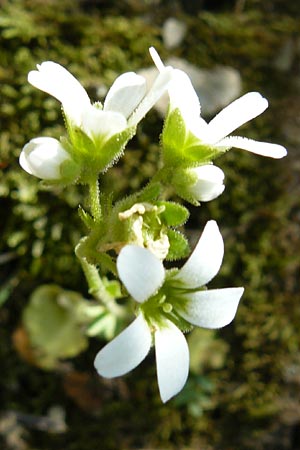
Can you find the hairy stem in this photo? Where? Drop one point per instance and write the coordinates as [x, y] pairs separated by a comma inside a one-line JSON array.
[[95, 283], [94, 200]]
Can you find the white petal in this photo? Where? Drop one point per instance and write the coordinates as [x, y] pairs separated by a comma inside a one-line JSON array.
[[172, 360], [126, 93], [209, 184], [212, 308], [260, 148], [183, 96], [158, 88], [24, 163], [42, 158], [156, 59], [234, 115], [126, 351], [141, 272], [61, 84], [205, 261], [102, 124]]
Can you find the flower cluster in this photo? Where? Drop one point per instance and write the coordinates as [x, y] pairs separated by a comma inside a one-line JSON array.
[[97, 133], [133, 237]]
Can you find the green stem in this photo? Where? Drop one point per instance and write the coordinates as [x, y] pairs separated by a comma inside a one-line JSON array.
[[94, 200], [159, 176], [96, 286], [162, 176]]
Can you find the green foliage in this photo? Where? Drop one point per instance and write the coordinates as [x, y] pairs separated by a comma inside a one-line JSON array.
[[173, 214], [179, 246], [53, 321]]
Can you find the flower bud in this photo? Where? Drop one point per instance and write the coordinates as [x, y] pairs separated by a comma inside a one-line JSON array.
[[203, 183], [209, 183], [43, 157]]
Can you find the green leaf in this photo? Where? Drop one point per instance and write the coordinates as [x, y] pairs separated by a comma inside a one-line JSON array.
[[149, 193], [51, 321], [113, 287], [104, 326], [179, 246], [174, 213], [86, 218]]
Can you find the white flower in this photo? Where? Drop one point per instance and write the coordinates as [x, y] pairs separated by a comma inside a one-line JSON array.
[[166, 299], [208, 183], [198, 184], [215, 133], [125, 105], [42, 157]]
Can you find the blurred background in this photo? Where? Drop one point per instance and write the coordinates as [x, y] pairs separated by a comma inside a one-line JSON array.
[[243, 392]]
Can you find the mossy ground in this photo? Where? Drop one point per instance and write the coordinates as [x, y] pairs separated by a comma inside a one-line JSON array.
[[247, 395]]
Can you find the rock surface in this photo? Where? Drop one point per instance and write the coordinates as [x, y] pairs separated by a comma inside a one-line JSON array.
[[173, 32]]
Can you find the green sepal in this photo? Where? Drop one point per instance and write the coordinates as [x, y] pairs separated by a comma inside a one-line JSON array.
[[179, 246], [181, 147], [69, 171], [94, 156], [86, 218], [80, 144], [173, 138], [174, 214], [107, 263], [114, 147], [181, 180]]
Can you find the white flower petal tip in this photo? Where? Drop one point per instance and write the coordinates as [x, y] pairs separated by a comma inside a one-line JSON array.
[[259, 148], [212, 309], [141, 272], [184, 97], [42, 158], [158, 88], [126, 351], [234, 115], [156, 59], [181, 93], [126, 93], [209, 184], [57, 81], [172, 360], [206, 259]]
